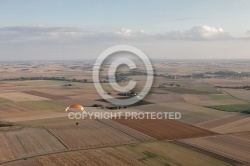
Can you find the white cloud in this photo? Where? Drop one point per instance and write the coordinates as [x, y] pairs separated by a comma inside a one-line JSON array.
[[124, 32], [200, 33]]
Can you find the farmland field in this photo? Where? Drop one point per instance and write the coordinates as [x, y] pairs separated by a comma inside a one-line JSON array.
[[134, 133], [46, 95], [224, 145], [164, 129], [235, 126], [28, 142], [240, 94], [41, 105], [192, 114], [166, 153], [193, 90], [5, 151], [221, 97], [164, 98], [40, 132], [19, 96], [223, 121], [232, 108], [3, 100], [24, 162], [89, 134], [95, 157]]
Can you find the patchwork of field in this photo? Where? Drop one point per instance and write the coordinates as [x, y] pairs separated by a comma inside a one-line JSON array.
[[164, 129], [240, 94], [28, 142], [95, 157], [89, 134], [134, 133], [224, 145], [19, 96], [163, 98], [226, 82], [223, 121], [235, 126], [192, 114], [167, 153]]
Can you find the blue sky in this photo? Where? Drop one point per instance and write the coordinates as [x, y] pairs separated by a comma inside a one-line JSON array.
[[86, 27]]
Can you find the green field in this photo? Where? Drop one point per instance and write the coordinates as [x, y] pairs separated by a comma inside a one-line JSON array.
[[41, 105], [193, 90], [243, 108], [3, 100], [165, 153], [221, 97]]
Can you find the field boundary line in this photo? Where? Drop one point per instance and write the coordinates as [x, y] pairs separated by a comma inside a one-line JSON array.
[[222, 118], [210, 153]]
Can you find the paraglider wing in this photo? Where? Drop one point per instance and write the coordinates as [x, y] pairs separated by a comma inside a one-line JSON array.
[[75, 106]]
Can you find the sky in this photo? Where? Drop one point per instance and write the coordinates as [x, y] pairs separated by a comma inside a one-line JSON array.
[[164, 29]]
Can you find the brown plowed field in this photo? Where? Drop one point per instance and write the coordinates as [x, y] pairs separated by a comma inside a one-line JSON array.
[[46, 95], [164, 129], [225, 145], [28, 142], [222, 121], [89, 134], [134, 133]]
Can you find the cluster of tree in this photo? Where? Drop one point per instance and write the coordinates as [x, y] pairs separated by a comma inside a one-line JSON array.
[[131, 93], [115, 107], [45, 78]]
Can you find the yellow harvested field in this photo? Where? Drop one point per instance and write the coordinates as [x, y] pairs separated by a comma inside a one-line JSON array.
[[28, 142], [238, 93], [19, 96], [236, 126], [89, 134]]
